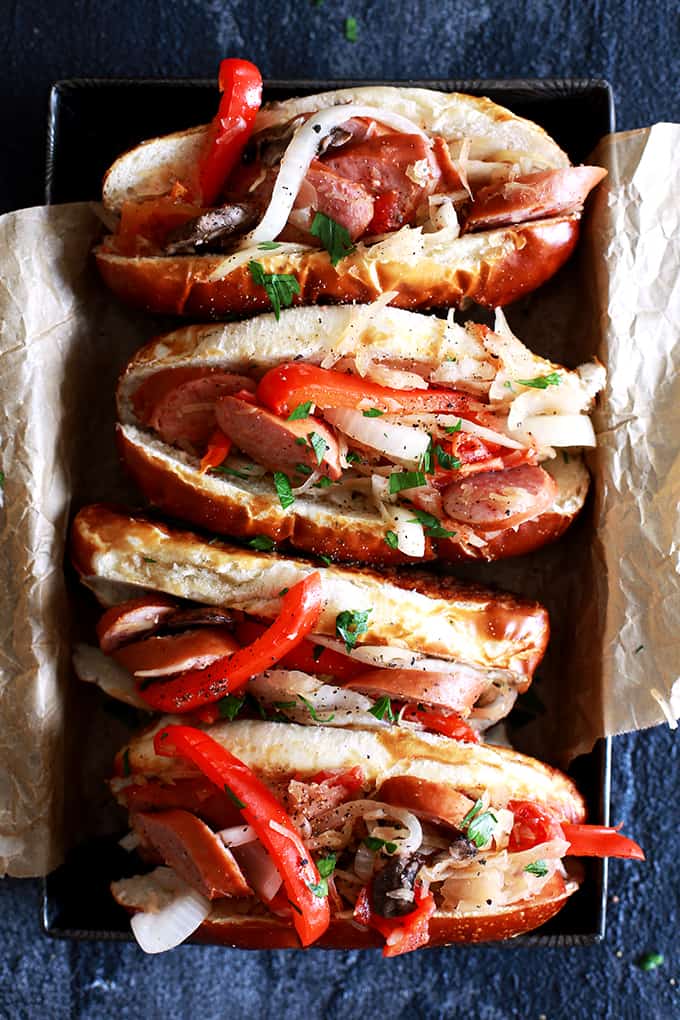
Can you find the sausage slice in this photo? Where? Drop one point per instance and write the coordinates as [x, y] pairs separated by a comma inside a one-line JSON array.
[[190, 848], [458, 692], [534, 196], [433, 801], [128, 619], [174, 653], [495, 500]]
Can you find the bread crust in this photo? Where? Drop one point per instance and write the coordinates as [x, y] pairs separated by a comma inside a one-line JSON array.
[[410, 609], [268, 932], [493, 268]]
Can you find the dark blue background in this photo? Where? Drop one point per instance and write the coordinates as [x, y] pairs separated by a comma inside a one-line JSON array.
[[634, 45]]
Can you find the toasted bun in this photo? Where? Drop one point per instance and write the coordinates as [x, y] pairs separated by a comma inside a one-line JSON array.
[[275, 752], [492, 267], [433, 615], [171, 479], [226, 927]]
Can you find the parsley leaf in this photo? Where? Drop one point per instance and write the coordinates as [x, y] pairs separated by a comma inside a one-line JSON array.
[[283, 489], [312, 711], [650, 961], [334, 238], [375, 844], [318, 444], [351, 624], [433, 527], [230, 705], [323, 483], [450, 429], [262, 543], [406, 480], [301, 411], [148, 559], [427, 460], [391, 539], [325, 867], [446, 460], [279, 287], [373, 412], [479, 827], [352, 458], [351, 30], [269, 245], [541, 382], [326, 559], [538, 868], [303, 469], [222, 469], [382, 708]]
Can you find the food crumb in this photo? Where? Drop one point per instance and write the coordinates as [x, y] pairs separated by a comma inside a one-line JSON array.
[[619, 953], [615, 899]]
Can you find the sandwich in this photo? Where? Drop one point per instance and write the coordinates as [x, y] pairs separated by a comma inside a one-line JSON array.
[[259, 835], [339, 197], [209, 630], [367, 433]]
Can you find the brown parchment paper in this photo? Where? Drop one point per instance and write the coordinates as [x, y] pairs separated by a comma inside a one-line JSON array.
[[611, 585]]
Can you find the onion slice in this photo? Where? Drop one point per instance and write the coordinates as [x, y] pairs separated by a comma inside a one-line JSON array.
[[302, 149], [237, 835], [401, 443], [172, 924], [560, 430]]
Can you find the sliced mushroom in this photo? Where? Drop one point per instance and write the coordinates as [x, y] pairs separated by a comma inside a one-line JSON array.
[[399, 874], [213, 230]]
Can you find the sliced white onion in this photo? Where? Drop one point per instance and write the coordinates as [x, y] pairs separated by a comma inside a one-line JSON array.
[[237, 835], [410, 534], [259, 869], [560, 430], [392, 657], [443, 421], [334, 706], [401, 443], [94, 667], [308, 483], [302, 149], [172, 924], [408, 834], [394, 378], [239, 258]]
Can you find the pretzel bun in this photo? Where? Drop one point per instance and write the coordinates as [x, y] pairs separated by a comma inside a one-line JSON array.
[[171, 479], [438, 616], [473, 769], [492, 267]]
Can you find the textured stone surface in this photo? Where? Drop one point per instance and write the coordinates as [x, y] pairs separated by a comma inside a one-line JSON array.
[[634, 45]]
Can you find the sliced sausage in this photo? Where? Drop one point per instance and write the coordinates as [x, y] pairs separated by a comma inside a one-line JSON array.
[[495, 500], [179, 403], [532, 197], [175, 653], [199, 796], [191, 849], [435, 802], [275, 442], [138, 616], [457, 691], [400, 164]]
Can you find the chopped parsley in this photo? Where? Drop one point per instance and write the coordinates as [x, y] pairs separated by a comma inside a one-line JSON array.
[[323, 483], [325, 867], [279, 287], [638, 649], [230, 705], [446, 460], [325, 559], [375, 844], [222, 469], [283, 489], [301, 441], [406, 480], [2, 479], [284, 591], [350, 624], [303, 469], [312, 711], [650, 961], [433, 527], [450, 429], [352, 458], [269, 245], [541, 382], [391, 539], [479, 827], [333, 236], [301, 411], [427, 460], [148, 559], [351, 30], [232, 797], [538, 868], [318, 444], [262, 543], [373, 412], [382, 708]]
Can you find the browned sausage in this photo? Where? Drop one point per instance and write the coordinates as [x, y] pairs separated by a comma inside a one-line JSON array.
[[277, 443], [434, 801], [447, 690], [532, 197], [163, 656], [127, 620], [190, 848], [495, 500]]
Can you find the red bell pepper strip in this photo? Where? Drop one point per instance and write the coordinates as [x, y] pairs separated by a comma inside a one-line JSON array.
[[449, 724], [300, 610], [534, 825], [284, 387], [402, 934], [241, 87], [259, 808], [217, 452], [306, 656]]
